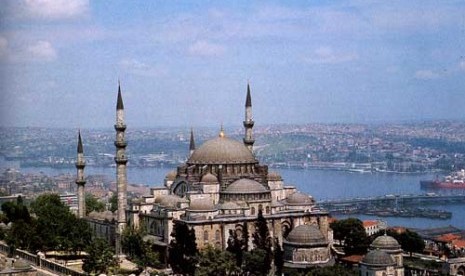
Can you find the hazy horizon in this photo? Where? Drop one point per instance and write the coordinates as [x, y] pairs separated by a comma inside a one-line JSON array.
[[184, 64]]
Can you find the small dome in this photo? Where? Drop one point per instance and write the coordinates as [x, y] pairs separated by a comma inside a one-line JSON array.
[[274, 176], [209, 178], [299, 198], [378, 258], [204, 204], [307, 234], [245, 186], [222, 150], [385, 242], [170, 201], [171, 176]]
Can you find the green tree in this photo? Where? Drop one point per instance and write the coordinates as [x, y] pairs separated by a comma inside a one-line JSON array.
[[100, 259], [254, 262], [352, 234], [138, 250], [411, 242], [15, 211], [183, 250], [93, 204], [278, 256], [261, 240], [215, 262], [57, 227], [113, 203], [236, 247]]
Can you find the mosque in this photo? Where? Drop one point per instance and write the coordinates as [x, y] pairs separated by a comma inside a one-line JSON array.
[[219, 190]]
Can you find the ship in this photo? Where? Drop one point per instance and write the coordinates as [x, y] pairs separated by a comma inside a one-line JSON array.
[[455, 180]]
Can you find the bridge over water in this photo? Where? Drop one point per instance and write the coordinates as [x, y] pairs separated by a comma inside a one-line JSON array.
[[394, 205]]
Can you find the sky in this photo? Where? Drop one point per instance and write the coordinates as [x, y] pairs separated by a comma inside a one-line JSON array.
[[187, 63]]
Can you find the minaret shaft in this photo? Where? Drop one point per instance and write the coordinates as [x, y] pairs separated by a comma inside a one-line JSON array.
[[80, 179], [121, 176]]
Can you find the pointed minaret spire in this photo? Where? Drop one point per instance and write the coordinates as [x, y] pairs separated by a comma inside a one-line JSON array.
[[221, 131], [248, 122], [248, 100], [80, 179], [119, 102], [121, 176], [192, 143], [79, 147]]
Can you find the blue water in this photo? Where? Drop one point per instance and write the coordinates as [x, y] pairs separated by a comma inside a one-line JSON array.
[[321, 184]]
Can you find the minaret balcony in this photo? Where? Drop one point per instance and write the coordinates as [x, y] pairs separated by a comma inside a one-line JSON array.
[[80, 181], [249, 141], [120, 127], [121, 144], [249, 123], [80, 164], [121, 160]]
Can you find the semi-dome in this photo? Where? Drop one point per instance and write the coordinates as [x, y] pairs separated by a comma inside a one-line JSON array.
[[209, 178], [307, 234], [245, 186], [204, 204], [229, 206], [378, 258], [274, 176], [171, 176], [222, 150], [385, 242], [170, 201], [299, 198]]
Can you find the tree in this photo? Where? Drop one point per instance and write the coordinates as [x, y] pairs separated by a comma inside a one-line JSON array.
[[93, 204], [113, 203], [101, 257], [15, 211], [255, 262], [137, 249], [352, 234], [411, 242], [236, 247], [262, 240], [183, 250], [213, 262], [278, 256]]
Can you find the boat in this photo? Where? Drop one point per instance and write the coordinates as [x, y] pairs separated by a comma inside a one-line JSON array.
[[455, 180]]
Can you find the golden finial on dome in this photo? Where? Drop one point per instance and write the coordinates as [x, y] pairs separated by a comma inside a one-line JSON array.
[[222, 131]]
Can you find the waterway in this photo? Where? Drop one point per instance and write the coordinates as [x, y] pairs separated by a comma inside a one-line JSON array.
[[321, 184]]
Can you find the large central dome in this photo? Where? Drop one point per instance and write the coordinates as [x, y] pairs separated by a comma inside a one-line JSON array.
[[222, 150]]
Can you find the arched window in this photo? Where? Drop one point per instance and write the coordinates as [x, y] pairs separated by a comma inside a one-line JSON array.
[[205, 236], [252, 211], [217, 235], [267, 210], [260, 207]]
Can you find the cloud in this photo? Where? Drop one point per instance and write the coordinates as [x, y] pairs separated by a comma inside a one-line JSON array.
[[462, 65], [426, 75], [205, 49], [48, 9], [326, 55], [136, 67], [38, 51]]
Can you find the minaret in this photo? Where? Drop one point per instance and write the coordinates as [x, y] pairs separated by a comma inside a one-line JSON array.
[[192, 143], [248, 122], [80, 179], [121, 178]]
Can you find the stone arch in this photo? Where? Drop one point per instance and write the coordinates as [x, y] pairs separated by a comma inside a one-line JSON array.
[[180, 188], [285, 228], [461, 270]]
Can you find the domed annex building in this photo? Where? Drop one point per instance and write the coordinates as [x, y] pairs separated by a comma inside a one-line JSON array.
[[221, 188], [384, 258]]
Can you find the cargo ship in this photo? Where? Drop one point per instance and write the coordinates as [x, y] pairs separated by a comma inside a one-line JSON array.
[[455, 180]]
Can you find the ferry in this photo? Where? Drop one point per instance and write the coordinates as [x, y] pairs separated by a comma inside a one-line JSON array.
[[455, 180]]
